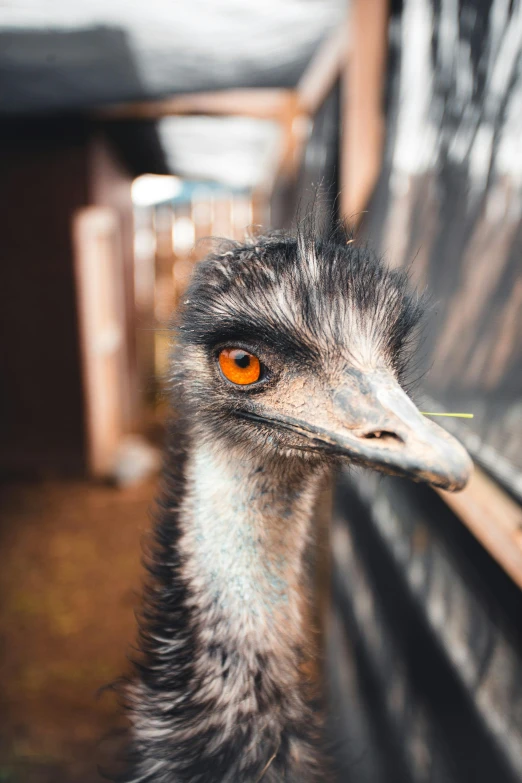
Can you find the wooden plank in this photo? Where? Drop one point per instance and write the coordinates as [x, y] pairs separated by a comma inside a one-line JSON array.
[[322, 72], [312, 90], [363, 115], [493, 518], [99, 276], [261, 103]]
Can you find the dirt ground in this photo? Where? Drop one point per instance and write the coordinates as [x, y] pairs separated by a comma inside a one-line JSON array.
[[70, 580]]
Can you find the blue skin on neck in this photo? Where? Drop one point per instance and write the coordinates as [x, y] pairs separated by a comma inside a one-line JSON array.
[[246, 549]]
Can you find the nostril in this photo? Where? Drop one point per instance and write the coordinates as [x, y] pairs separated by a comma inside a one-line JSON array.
[[384, 436]]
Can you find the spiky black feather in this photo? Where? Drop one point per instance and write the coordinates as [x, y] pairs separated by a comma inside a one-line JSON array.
[[233, 294]]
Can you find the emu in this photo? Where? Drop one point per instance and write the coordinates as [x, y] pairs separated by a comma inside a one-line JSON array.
[[290, 359]]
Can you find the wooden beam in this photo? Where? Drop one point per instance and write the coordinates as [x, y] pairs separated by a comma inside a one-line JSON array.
[[312, 90], [266, 104], [325, 67], [292, 109], [363, 114], [493, 518]]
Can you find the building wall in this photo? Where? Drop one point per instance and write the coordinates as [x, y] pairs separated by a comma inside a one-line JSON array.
[[43, 181], [50, 170]]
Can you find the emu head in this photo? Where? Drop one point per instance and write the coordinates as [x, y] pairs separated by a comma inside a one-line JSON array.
[[296, 348]]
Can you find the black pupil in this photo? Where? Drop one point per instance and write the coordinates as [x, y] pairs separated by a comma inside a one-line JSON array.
[[242, 359]]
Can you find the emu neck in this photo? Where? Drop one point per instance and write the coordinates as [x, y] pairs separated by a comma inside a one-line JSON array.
[[246, 526], [225, 693]]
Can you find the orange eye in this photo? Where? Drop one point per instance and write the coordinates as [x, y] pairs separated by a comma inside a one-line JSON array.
[[239, 366]]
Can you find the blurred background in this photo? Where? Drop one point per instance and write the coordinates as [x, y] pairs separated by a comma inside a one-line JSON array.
[[131, 132]]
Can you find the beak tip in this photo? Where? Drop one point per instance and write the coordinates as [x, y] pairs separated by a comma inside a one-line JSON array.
[[459, 470]]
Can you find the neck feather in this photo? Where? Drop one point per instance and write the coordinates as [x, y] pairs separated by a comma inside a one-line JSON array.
[[221, 689], [245, 527]]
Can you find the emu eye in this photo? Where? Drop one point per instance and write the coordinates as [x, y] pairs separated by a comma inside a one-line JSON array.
[[239, 366]]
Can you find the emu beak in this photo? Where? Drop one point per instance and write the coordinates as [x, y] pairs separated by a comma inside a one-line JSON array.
[[382, 428]]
